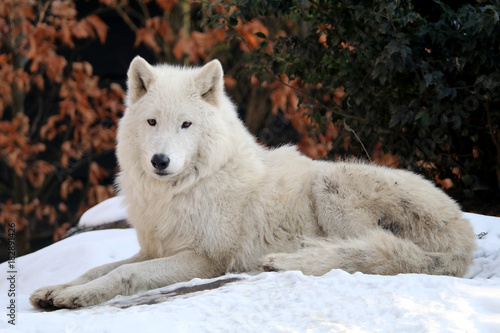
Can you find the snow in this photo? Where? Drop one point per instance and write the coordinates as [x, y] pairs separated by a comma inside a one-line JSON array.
[[108, 211], [271, 302]]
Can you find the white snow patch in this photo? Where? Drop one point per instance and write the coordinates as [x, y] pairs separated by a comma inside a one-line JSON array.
[[110, 210], [270, 302]]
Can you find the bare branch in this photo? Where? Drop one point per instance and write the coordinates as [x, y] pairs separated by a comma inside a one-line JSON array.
[[126, 18], [359, 140]]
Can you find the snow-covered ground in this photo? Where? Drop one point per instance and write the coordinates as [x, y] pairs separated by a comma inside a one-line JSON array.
[[266, 302]]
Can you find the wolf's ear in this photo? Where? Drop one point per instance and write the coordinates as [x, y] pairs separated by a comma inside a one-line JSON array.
[[210, 82], [140, 75]]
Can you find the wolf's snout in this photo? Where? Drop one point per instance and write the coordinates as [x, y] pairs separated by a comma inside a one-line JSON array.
[[160, 161]]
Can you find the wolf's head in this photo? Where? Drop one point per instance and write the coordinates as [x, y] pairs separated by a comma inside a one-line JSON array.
[[178, 122]]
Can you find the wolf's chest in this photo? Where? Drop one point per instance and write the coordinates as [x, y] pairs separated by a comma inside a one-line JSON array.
[[184, 224]]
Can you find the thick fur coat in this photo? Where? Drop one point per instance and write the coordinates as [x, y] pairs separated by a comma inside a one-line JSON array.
[[205, 199]]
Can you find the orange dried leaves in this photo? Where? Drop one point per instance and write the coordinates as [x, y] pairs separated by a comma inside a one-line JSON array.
[[15, 143]]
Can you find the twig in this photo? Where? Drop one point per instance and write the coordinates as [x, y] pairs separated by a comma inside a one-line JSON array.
[[126, 18], [357, 138], [43, 10], [144, 9]]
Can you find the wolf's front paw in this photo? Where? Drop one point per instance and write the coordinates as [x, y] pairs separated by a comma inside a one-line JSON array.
[[76, 297], [43, 298]]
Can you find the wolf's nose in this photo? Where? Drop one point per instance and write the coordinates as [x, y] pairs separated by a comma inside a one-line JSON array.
[[160, 161]]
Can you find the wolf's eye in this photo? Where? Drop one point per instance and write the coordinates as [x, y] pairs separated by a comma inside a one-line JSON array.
[[152, 122], [186, 124]]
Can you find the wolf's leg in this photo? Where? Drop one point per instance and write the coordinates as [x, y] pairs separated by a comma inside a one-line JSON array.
[[132, 278], [41, 297], [376, 252]]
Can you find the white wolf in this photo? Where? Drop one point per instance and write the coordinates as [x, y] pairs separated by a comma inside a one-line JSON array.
[[205, 199]]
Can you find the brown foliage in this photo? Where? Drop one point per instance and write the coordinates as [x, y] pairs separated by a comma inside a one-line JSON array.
[[71, 128], [248, 33], [197, 45]]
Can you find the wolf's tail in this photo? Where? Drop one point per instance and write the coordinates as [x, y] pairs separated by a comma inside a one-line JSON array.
[[376, 252]]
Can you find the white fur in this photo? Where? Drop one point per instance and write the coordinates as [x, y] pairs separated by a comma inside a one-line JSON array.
[[226, 203]]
